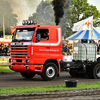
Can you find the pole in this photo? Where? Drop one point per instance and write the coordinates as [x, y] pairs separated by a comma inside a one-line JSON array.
[[3, 26]]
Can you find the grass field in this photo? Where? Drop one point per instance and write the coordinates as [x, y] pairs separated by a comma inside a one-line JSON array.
[[5, 69], [43, 88], [46, 88]]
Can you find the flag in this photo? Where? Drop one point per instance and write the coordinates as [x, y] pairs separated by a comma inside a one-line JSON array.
[[86, 24], [12, 29]]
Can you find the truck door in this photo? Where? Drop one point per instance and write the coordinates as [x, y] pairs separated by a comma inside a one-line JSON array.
[[55, 43], [42, 47]]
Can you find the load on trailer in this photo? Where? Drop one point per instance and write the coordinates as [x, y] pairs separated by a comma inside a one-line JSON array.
[[37, 49], [84, 61]]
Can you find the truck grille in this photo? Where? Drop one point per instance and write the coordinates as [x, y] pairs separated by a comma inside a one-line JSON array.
[[19, 51]]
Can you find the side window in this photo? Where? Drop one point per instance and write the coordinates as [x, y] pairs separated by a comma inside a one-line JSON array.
[[44, 34]]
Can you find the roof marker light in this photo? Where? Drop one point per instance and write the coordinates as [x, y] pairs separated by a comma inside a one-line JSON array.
[[28, 22]]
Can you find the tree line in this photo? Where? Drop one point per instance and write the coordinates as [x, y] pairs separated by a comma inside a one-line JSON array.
[[6, 13], [79, 10]]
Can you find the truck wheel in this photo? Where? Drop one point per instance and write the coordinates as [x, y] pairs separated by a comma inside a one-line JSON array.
[[89, 71], [96, 71], [98, 59], [72, 72], [27, 75], [50, 71]]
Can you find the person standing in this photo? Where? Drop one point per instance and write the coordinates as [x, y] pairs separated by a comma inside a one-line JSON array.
[[5, 50], [1, 50]]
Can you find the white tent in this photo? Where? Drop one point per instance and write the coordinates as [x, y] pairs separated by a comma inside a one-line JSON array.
[[86, 34]]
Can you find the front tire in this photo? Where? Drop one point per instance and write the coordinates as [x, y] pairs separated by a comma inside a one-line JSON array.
[[27, 75], [72, 72], [50, 71]]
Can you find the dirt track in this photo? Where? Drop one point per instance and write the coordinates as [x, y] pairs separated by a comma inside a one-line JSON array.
[[13, 80]]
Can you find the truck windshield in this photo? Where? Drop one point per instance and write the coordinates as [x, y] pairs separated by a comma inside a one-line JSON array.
[[23, 34]]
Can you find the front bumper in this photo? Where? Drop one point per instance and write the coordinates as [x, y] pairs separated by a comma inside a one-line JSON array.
[[27, 68]]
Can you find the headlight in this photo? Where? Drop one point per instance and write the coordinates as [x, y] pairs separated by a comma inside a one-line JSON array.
[[10, 60], [23, 23], [27, 61]]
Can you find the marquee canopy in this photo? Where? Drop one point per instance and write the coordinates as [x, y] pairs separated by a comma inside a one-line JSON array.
[[86, 34]]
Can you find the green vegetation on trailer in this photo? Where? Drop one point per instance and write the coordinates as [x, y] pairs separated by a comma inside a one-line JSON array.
[[47, 88]]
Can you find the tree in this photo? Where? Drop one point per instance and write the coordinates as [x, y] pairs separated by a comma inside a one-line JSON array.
[[44, 13], [78, 11], [9, 17]]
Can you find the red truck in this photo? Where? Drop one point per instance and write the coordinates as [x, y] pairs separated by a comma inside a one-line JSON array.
[[37, 49], [32, 53]]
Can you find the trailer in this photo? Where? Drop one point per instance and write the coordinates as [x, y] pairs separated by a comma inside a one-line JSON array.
[[84, 61]]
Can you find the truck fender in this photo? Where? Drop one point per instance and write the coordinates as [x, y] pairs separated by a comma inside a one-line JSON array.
[[58, 66]]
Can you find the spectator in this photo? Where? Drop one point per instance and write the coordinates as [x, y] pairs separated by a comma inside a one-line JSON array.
[[8, 52], [68, 49], [98, 48], [65, 49], [2, 50], [71, 49], [5, 50]]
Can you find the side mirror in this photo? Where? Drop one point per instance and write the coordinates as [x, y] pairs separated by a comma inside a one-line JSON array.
[[12, 37], [38, 37]]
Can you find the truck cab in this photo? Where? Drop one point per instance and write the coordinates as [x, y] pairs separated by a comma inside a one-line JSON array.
[[36, 49]]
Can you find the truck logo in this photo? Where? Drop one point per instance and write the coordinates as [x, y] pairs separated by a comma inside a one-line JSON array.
[[18, 43]]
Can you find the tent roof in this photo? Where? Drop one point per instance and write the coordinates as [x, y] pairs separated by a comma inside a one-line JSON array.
[[86, 34]]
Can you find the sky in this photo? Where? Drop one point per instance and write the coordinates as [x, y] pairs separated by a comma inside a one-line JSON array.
[[25, 8], [95, 3]]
